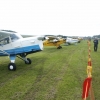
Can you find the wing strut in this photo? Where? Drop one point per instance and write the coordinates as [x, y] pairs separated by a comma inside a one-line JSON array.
[[4, 52]]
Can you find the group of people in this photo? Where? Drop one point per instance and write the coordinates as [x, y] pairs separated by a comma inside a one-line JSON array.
[[95, 41]]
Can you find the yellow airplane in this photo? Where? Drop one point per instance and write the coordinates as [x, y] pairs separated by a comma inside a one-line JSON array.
[[53, 41]]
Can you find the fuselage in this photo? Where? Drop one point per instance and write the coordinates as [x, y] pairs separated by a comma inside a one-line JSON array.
[[71, 40], [16, 44]]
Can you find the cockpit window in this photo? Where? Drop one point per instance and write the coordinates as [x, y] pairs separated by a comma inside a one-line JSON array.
[[14, 37]]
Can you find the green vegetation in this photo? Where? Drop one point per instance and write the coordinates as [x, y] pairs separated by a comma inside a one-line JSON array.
[[53, 75]]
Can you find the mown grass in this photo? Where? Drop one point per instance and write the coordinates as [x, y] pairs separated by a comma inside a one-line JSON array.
[[53, 75]]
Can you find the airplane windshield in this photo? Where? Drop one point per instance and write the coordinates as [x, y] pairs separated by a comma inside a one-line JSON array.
[[14, 37]]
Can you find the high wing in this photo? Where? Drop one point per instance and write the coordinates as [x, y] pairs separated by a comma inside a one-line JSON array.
[[52, 38]]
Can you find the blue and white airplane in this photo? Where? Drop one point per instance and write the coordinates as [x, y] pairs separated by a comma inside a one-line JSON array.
[[12, 44]]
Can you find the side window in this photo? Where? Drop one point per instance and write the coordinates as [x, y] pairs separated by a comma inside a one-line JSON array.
[[1, 42], [4, 41]]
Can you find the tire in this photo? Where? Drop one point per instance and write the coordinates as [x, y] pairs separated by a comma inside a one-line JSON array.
[[12, 67], [59, 47], [28, 61]]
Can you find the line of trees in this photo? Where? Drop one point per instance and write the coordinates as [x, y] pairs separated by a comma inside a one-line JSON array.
[[98, 36]]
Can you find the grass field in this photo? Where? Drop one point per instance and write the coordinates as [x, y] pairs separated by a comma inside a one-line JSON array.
[[53, 75]]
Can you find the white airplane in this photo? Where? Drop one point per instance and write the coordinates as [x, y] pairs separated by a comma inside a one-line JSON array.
[[12, 44], [71, 41]]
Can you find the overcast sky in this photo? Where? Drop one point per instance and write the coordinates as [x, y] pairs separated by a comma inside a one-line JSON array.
[[59, 17]]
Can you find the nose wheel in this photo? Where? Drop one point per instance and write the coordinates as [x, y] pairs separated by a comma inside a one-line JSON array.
[[12, 67], [59, 47]]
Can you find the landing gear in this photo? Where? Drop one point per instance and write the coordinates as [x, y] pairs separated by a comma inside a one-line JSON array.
[[28, 61], [11, 67], [59, 47]]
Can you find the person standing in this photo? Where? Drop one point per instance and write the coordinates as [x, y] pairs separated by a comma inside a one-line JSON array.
[[95, 44]]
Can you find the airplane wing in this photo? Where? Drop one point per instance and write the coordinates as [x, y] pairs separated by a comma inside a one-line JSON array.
[[52, 38]]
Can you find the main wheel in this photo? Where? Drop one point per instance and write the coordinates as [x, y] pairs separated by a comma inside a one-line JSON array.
[[28, 61], [11, 67], [59, 47]]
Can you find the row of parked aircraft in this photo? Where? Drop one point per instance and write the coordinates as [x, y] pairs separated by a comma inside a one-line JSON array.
[[13, 45], [57, 41]]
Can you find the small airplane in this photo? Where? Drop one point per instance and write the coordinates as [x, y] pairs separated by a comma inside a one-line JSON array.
[[13, 45], [53, 41], [70, 40]]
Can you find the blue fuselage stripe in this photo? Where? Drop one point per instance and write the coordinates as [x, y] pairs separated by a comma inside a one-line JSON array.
[[21, 50]]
